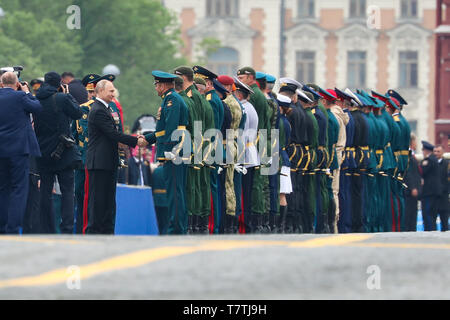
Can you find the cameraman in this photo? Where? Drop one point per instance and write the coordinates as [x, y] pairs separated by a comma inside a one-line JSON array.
[[59, 155]]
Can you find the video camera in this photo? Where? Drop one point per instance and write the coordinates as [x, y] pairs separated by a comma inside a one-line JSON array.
[[64, 142]]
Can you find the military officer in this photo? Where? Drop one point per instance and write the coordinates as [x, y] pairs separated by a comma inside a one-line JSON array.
[[174, 116], [431, 188], [217, 107], [248, 76], [205, 115]]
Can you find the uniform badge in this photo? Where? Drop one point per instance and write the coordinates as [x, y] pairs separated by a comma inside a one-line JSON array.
[[396, 118], [169, 104], [189, 94], [85, 116], [208, 97]]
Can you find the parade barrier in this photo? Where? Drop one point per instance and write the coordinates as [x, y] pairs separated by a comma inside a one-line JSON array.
[[135, 214]]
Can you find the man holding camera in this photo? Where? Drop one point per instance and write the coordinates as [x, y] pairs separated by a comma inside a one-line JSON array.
[[59, 155], [17, 143]]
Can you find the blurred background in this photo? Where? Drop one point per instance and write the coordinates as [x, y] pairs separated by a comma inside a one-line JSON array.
[[373, 44]]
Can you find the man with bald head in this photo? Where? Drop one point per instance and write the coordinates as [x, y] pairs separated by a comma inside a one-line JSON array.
[[17, 143], [103, 159]]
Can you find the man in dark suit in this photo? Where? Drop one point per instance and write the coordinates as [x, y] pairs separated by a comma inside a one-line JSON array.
[[431, 189], [412, 180], [102, 161], [17, 143], [139, 172], [443, 197]]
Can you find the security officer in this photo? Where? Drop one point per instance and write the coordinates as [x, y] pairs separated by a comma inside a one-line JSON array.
[[204, 113], [80, 134], [174, 116], [431, 188], [217, 107]]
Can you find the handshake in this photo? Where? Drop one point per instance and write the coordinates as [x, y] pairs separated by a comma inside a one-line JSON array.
[[141, 141]]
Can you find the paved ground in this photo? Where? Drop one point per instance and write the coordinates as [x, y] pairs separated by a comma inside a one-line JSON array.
[[353, 266]]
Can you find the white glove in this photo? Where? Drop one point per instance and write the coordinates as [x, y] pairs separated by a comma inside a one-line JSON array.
[[169, 155], [219, 170], [270, 161], [240, 169]]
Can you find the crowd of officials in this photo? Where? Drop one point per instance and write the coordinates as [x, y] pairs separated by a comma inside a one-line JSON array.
[[345, 159]]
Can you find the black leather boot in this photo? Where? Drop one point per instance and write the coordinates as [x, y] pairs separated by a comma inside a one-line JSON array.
[[282, 225], [203, 225], [190, 229]]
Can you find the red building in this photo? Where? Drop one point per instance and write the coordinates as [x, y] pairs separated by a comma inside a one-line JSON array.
[[442, 111]]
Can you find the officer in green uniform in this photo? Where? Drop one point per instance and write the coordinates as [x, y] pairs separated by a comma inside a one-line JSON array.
[[160, 199], [217, 107], [205, 115], [80, 134], [310, 170], [192, 177], [260, 182], [403, 152], [174, 116]]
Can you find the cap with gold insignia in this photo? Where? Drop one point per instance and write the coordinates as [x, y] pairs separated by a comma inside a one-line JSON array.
[[246, 71], [290, 85], [109, 77], [161, 76], [183, 71], [204, 73], [242, 86], [88, 80]]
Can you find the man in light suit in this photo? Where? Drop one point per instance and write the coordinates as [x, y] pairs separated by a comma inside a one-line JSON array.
[[17, 143]]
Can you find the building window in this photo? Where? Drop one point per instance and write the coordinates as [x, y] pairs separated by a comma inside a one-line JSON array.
[[306, 66], [305, 8], [356, 69], [224, 61], [222, 8], [409, 9], [408, 69], [357, 8]]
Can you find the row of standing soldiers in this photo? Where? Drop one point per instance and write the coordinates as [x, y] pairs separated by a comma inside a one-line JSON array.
[[347, 154]]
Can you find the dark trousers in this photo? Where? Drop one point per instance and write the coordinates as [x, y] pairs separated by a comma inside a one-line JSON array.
[[357, 225], [102, 201], [31, 217], [443, 211], [79, 199], [13, 192], [429, 212], [410, 213], [47, 215], [175, 176], [247, 186]]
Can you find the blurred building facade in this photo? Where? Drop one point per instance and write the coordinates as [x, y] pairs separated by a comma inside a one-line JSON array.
[[373, 44]]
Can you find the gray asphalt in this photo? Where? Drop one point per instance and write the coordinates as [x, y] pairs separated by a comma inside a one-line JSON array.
[[381, 266]]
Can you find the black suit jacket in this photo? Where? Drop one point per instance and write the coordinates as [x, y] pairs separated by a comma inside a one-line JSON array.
[[412, 177], [443, 175], [431, 179], [102, 153]]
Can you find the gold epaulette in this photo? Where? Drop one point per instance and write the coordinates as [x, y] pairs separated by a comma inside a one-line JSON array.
[[87, 104]]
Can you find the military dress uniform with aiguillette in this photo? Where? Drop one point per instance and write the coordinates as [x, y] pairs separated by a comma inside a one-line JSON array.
[[174, 116]]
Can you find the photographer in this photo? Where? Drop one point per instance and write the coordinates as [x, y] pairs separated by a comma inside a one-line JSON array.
[[59, 155]]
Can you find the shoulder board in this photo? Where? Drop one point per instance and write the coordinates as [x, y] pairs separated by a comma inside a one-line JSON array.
[[87, 104], [169, 103], [208, 96], [189, 93], [396, 118], [169, 93]]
